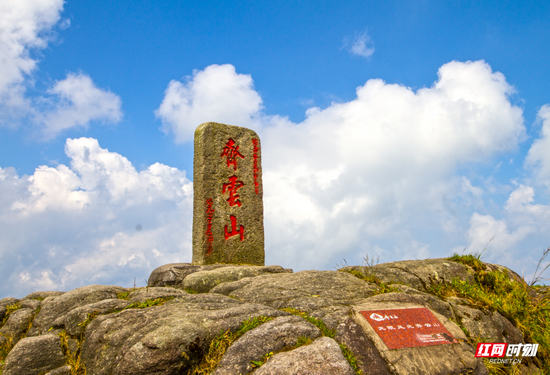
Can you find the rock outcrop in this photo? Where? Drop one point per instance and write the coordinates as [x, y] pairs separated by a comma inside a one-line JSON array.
[[235, 319]]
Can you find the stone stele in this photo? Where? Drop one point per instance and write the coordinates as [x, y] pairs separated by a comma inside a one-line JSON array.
[[228, 218]]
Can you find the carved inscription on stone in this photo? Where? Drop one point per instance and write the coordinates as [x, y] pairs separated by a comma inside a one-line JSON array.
[[227, 203], [407, 328]]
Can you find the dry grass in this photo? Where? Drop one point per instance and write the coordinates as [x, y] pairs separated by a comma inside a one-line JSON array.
[[221, 343], [498, 291]]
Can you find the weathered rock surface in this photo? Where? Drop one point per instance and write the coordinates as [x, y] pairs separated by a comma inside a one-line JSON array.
[[167, 339], [486, 324], [369, 359], [204, 281], [164, 329], [323, 356], [72, 321], [63, 370], [142, 295], [4, 303], [30, 304], [17, 324], [325, 295], [419, 274], [42, 295], [34, 355], [173, 274], [272, 336], [54, 307]]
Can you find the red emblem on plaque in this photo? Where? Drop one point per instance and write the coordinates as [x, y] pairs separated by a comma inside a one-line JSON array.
[[407, 328]]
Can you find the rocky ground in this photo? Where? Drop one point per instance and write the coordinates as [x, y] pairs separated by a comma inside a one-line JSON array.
[[229, 319]]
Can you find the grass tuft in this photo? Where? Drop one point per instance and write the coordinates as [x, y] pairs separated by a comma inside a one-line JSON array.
[[301, 341], [498, 291], [9, 310], [221, 343], [256, 364], [72, 358], [328, 333], [124, 295], [149, 303], [367, 274], [316, 322], [351, 359], [370, 278], [5, 349], [89, 317]]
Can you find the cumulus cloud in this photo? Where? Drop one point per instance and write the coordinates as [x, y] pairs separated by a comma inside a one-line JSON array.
[[74, 225], [516, 239], [217, 93], [360, 45], [378, 174], [77, 102], [383, 165], [24, 26], [27, 26], [538, 156]]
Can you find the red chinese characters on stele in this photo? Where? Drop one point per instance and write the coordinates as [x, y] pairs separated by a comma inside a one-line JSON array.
[[231, 187], [256, 169], [231, 153], [234, 231], [209, 235], [407, 328]]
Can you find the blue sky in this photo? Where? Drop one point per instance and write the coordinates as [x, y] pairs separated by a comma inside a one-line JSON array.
[[403, 129]]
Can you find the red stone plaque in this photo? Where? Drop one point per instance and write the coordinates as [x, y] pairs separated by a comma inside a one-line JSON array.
[[407, 328]]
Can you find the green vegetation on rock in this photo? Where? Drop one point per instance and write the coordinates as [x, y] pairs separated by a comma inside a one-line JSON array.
[[149, 303], [72, 357], [328, 333], [221, 343], [4, 350], [124, 295], [316, 322], [497, 290], [370, 278], [368, 275], [10, 309], [8, 345]]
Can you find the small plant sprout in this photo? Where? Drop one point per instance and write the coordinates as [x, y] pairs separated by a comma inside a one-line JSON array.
[[478, 256], [369, 262], [537, 278], [343, 263]]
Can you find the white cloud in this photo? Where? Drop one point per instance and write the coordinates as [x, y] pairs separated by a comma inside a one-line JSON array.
[[78, 101], [377, 174], [518, 237], [27, 26], [361, 45], [217, 93], [69, 226], [24, 26], [538, 156], [382, 165]]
